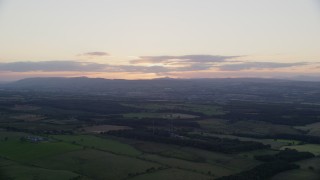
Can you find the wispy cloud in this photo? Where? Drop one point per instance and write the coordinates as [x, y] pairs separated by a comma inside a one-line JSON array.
[[95, 53], [258, 65], [181, 59]]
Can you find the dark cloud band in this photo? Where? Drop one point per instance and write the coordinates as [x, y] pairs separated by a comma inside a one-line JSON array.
[[258, 65]]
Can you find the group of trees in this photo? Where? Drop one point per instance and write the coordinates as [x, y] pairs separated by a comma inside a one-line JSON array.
[[273, 164], [206, 143], [299, 137], [276, 113], [288, 155], [263, 171]]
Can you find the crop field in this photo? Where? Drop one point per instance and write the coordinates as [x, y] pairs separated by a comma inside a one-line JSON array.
[[104, 144]]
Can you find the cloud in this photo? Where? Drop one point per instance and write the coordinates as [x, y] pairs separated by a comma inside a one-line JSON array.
[[181, 59], [76, 66], [96, 53], [62, 66], [51, 66], [258, 65]]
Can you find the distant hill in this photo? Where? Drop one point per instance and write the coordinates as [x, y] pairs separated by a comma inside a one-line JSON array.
[[167, 88]]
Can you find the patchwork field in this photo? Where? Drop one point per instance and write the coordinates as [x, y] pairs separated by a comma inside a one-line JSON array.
[[97, 164], [208, 110], [74, 136]]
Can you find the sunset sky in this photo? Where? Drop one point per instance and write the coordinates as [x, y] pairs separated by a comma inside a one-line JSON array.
[[142, 39]]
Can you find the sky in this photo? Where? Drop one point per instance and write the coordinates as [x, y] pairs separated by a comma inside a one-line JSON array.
[[143, 39]]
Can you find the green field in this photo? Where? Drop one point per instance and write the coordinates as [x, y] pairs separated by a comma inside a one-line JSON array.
[[274, 143], [100, 143], [313, 148], [68, 156], [24, 151], [235, 163], [97, 164], [167, 151], [173, 174], [22, 172]]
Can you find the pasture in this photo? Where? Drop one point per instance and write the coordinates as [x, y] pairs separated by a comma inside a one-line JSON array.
[[97, 164], [22, 172], [313, 148], [24, 151], [104, 144]]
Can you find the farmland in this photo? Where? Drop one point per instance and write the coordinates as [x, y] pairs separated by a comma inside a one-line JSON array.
[[97, 136]]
